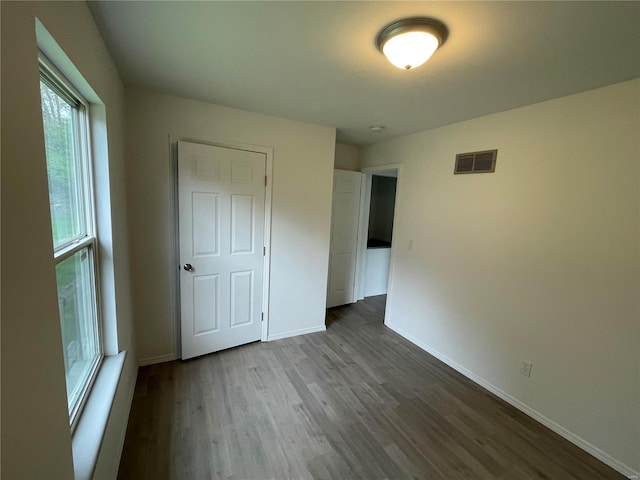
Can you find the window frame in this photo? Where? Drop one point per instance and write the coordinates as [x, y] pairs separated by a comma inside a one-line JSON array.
[[88, 238]]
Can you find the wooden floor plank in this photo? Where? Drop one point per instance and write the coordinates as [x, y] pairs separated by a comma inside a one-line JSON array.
[[355, 402]]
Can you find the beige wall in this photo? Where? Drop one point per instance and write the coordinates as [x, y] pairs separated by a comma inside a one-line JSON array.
[[301, 211], [36, 441], [346, 157], [538, 261]]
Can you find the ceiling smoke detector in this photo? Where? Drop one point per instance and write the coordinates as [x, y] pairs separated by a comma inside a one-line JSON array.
[[376, 128]]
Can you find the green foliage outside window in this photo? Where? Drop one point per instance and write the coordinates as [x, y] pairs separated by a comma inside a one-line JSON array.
[[73, 242]]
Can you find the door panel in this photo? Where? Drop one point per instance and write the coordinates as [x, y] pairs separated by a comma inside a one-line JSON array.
[[241, 294], [242, 221], [344, 236], [221, 227], [206, 298], [207, 221]]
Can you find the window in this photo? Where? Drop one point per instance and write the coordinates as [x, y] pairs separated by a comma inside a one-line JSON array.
[[66, 135]]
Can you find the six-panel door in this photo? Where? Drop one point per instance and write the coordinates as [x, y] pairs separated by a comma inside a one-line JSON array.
[[344, 237], [221, 228]]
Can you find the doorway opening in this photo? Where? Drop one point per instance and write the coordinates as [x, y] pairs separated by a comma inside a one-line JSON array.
[[378, 214], [380, 232], [361, 253]]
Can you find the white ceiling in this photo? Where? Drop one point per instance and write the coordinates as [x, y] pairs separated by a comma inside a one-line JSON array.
[[316, 61]]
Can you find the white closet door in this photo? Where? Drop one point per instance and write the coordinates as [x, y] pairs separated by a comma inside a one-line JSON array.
[[344, 237]]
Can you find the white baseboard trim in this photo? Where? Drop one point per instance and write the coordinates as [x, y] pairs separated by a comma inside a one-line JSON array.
[[559, 429], [143, 362], [375, 293], [295, 333]]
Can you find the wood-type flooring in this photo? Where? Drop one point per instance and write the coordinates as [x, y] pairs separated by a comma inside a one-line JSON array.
[[354, 402]]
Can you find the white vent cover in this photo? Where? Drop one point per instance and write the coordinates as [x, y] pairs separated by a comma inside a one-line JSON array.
[[476, 162]]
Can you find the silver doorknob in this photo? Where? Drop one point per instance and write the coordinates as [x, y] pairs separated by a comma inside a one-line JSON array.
[[188, 267]]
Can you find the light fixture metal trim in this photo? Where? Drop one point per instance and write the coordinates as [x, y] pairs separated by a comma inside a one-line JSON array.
[[409, 25], [414, 24]]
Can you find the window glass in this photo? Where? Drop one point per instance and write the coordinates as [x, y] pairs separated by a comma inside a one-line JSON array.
[[74, 243], [60, 121], [80, 340]]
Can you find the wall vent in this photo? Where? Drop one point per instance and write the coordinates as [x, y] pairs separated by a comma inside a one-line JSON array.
[[476, 162]]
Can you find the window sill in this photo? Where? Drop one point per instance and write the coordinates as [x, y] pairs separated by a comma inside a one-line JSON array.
[[90, 429]]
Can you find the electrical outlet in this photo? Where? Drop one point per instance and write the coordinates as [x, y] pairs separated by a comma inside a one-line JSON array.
[[525, 368]]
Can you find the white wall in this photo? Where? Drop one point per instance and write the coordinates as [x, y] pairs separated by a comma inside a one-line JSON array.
[[538, 261], [376, 277], [36, 441], [346, 157], [301, 211]]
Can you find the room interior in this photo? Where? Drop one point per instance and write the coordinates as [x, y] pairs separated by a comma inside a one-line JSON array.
[[536, 262]]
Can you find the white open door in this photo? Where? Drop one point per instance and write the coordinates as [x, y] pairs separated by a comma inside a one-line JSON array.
[[221, 227], [344, 237]]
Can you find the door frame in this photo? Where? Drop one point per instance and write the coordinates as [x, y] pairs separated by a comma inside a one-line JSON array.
[[266, 272], [363, 227]]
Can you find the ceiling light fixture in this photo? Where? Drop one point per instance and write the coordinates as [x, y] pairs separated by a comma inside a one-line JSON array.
[[409, 43]]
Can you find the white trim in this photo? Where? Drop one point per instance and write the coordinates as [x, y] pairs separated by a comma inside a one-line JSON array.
[[70, 249], [175, 261], [363, 227], [294, 333], [358, 287], [56, 81], [123, 430], [266, 273], [89, 432], [143, 362], [523, 407], [67, 91]]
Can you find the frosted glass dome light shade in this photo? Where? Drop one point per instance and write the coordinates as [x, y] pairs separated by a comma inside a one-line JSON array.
[[410, 50], [409, 43]]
